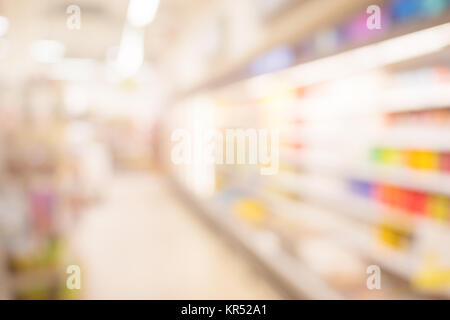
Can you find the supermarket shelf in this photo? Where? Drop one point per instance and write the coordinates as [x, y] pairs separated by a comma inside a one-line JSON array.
[[366, 58], [5, 293], [354, 236], [400, 99], [425, 137], [416, 98], [230, 77], [289, 272], [437, 183], [428, 138], [331, 193], [313, 191], [433, 182]]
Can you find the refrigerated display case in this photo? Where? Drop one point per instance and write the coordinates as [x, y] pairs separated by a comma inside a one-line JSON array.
[[362, 178]]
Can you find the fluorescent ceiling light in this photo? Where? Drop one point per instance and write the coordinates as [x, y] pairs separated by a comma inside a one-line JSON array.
[[142, 12], [131, 52], [4, 25], [47, 51]]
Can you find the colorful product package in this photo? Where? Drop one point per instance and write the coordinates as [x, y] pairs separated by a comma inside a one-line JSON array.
[[415, 202], [444, 162], [438, 207]]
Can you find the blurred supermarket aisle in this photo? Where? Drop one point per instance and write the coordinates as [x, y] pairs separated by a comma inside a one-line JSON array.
[[315, 133], [142, 243]]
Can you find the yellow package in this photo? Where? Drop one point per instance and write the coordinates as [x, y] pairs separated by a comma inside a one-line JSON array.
[[438, 207], [250, 210]]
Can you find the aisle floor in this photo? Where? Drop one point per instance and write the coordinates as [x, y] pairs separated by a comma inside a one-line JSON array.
[[142, 242]]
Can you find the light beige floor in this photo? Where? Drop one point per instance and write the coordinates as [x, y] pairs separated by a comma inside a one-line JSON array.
[[141, 242]]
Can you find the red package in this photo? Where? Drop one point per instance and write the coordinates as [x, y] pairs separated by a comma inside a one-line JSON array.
[[444, 162], [377, 192], [396, 197], [415, 202], [388, 195]]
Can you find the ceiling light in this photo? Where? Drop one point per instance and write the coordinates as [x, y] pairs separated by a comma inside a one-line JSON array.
[[142, 12], [131, 52]]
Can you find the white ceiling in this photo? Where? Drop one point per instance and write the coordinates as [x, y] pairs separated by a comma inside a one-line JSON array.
[[171, 41], [102, 22]]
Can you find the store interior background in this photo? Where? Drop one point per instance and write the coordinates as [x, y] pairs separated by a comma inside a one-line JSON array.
[[87, 176]]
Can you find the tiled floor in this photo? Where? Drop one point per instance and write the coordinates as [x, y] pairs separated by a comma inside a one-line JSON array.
[[141, 242]]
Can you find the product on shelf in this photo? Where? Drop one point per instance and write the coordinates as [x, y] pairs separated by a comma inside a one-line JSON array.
[[394, 13], [297, 146], [415, 159], [394, 236], [37, 273], [438, 207], [444, 163], [432, 270], [414, 202], [250, 210], [437, 117], [405, 10]]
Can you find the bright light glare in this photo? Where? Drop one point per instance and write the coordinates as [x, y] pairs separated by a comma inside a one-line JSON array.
[[47, 51], [4, 25], [142, 12], [131, 53]]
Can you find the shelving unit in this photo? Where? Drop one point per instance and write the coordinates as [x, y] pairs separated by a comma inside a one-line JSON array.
[[332, 112], [5, 292], [293, 277]]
